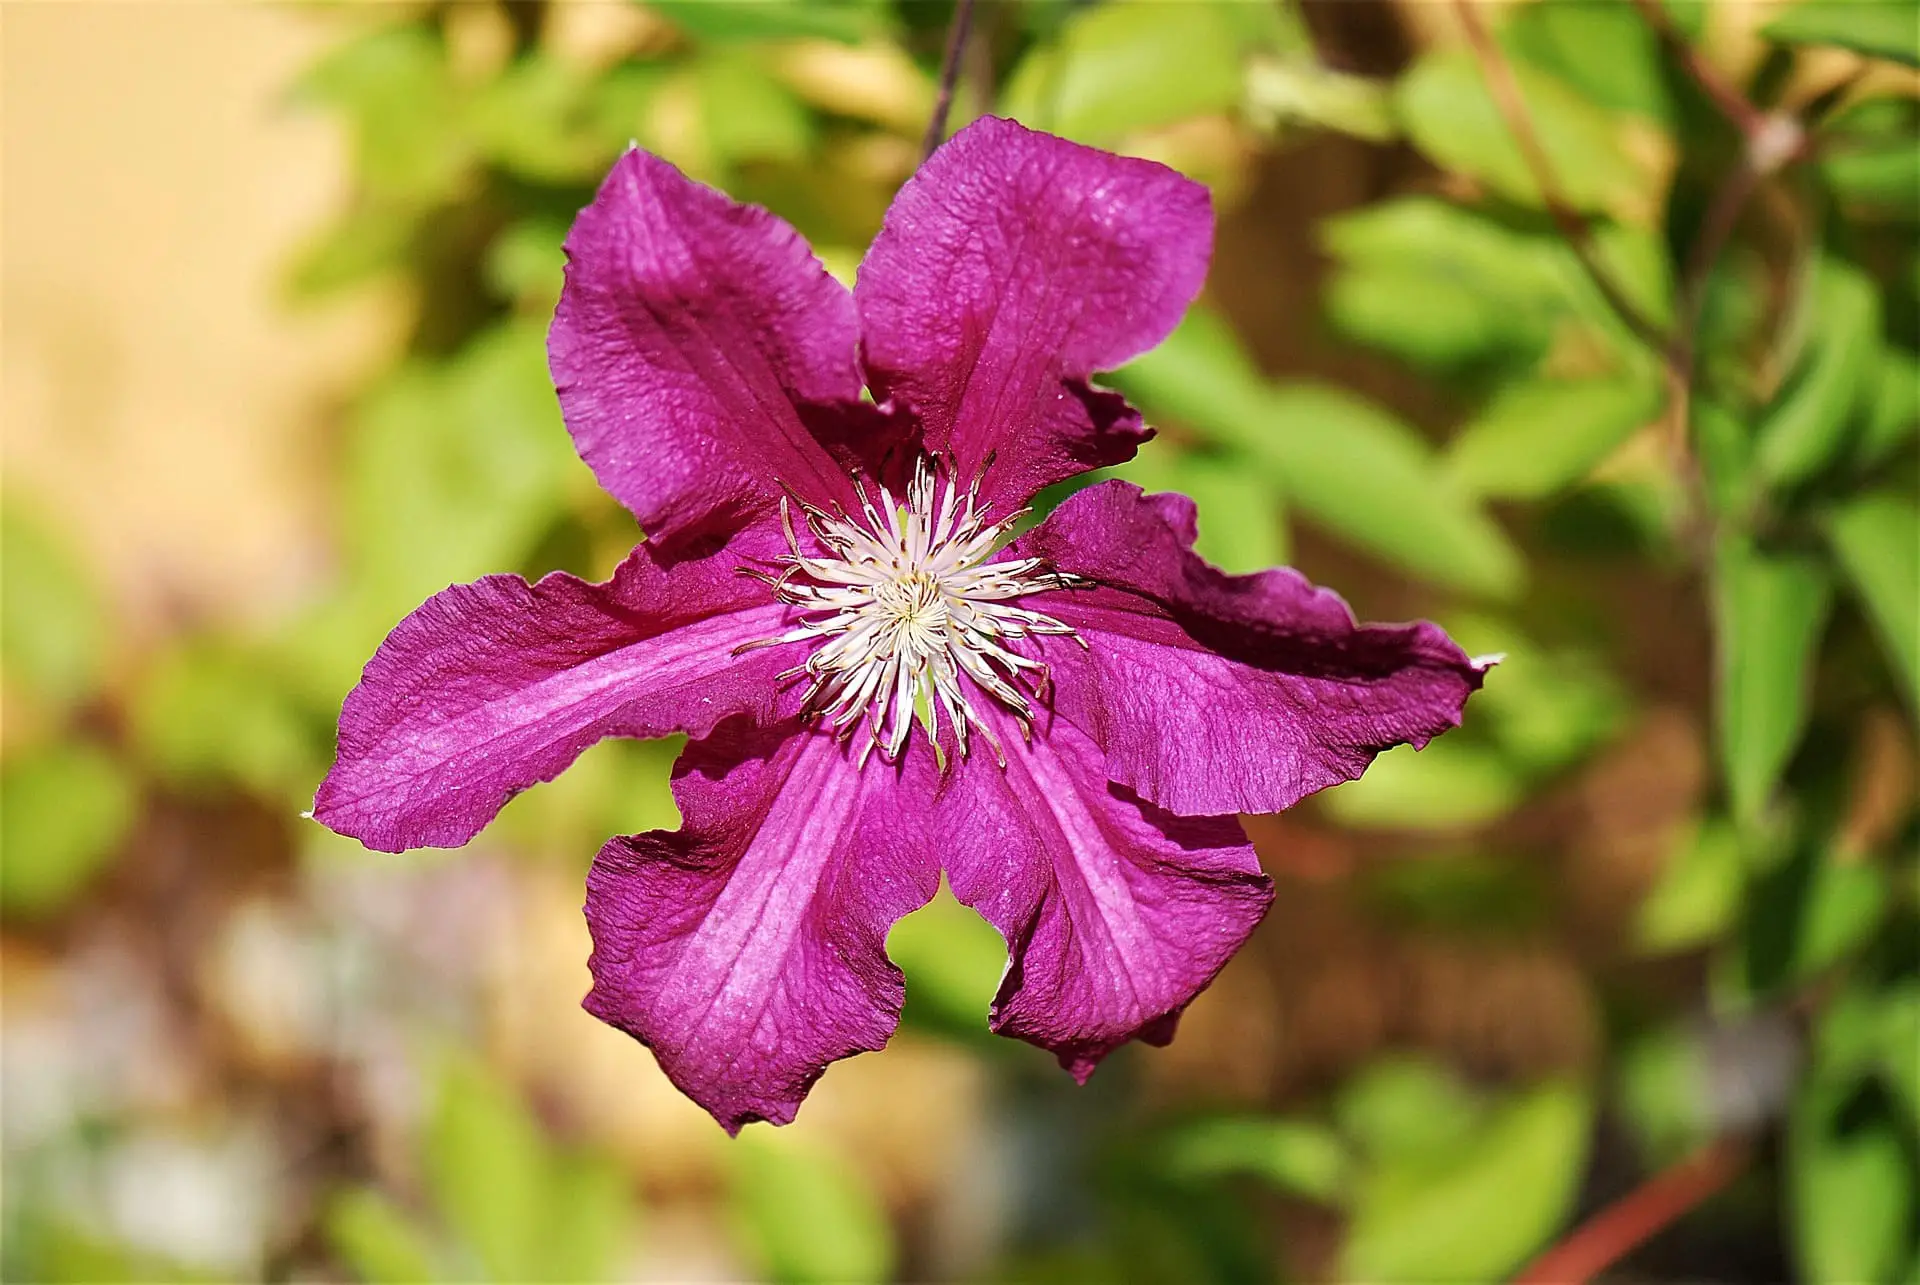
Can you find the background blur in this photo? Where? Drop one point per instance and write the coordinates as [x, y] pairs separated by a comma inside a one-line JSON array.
[[276, 286]]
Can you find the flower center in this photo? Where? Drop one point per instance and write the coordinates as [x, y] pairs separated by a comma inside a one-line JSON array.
[[912, 618]]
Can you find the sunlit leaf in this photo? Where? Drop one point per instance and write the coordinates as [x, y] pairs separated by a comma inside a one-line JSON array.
[[64, 811], [587, 1210], [1605, 50], [485, 1162], [52, 630], [1698, 894], [534, 120], [1539, 436], [454, 469], [406, 110], [1807, 426], [749, 116], [1447, 110], [377, 1240], [1302, 91], [1241, 526], [1297, 1156], [1546, 708], [1876, 539], [208, 713], [1106, 73], [1343, 463], [808, 1213], [1895, 416], [1769, 612], [743, 20], [1448, 785], [1850, 1185], [953, 960], [1477, 1211], [1878, 28], [1407, 1109]]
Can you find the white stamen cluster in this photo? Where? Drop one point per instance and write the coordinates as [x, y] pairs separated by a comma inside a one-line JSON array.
[[907, 603]]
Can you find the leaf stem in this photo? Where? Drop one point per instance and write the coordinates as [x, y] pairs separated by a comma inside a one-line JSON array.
[[1579, 236], [1638, 1216], [949, 74]]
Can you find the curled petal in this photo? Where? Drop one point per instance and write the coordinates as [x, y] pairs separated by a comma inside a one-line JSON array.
[[694, 341], [1115, 912], [1011, 268], [748, 948], [1213, 693], [493, 686]]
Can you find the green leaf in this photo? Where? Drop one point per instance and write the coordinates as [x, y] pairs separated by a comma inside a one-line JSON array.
[[1878, 28], [1812, 912], [1541, 436], [1478, 1211], [1850, 1186], [1725, 451], [1546, 708], [1807, 426], [408, 115], [1870, 155], [486, 1164], [525, 262], [1698, 894], [536, 120], [1443, 286], [1604, 50], [1241, 524], [1105, 76], [809, 1214], [52, 626], [953, 960], [208, 712], [1769, 612], [737, 20], [1895, 416], [64, 812], [1345, 464], [455, 469], [1664, 1089], [1407, 1109], [1448, 785], [1296, 1156], [1876, 540], [1302, 91], [750, 116], [587, 1210], [1447, 111], [377, 1240]]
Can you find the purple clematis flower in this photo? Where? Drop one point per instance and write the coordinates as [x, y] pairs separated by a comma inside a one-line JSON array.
[[1095, 704]]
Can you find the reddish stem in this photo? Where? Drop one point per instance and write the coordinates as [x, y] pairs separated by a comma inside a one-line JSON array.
[[1638, 1216], [949, 74], [1733, 104]]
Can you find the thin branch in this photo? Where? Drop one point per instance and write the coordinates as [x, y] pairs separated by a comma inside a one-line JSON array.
[[1513, 107], [1637, 1217], [949, 74], [1733, 104], [1716, 229]]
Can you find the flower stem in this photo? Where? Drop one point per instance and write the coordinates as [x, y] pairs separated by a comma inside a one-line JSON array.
[[949, 74], [1638, 1216]]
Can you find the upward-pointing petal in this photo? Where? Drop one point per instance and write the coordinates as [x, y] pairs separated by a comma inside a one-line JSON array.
[[1012, 267], [695, 340]]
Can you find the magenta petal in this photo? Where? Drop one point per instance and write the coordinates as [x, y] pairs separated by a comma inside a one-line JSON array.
[[1011, 268], [1116, 913], [748, 948], [1213, 693], [490, 687], [693, 338]]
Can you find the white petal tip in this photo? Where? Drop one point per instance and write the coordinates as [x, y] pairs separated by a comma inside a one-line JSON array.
[[1489, 660]]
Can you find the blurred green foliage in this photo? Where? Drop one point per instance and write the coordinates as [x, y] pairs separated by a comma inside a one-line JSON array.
[[1528, 459]]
